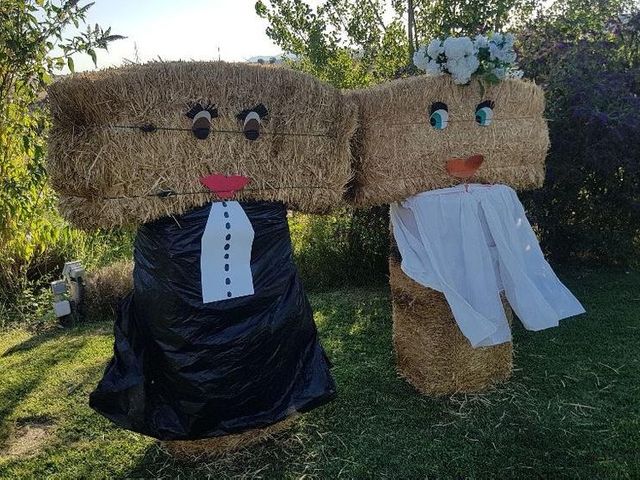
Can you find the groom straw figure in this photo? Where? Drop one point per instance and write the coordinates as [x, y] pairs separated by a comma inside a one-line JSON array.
[[216, 346]]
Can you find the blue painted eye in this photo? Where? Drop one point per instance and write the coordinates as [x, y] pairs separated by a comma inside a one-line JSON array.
[[484, 113], [439, 117]]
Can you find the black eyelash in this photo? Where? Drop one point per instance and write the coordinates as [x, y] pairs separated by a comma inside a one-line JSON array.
[[486, 103], [196, 108], [260, 109], [438, 106]]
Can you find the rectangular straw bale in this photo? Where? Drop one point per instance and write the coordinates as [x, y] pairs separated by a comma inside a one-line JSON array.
[[397, 153], [432, 354], [109, 176]]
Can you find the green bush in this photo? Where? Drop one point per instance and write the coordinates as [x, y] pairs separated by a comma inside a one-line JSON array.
[[34, 240], [347, 247]]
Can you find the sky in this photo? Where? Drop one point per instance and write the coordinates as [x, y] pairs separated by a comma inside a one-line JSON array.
[[171, 29]]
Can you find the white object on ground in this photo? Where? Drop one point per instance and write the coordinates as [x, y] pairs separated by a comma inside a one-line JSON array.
[[62, 308], [225, 258], [472, 243]]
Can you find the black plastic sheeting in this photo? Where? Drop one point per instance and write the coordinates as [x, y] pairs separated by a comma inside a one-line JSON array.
[[184, 370]]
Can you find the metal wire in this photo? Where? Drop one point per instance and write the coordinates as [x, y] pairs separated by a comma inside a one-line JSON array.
[[152, 128], [425, 122], [171, 193]]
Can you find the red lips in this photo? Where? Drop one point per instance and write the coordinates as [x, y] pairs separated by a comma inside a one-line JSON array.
[[464, 167], [224, 186]]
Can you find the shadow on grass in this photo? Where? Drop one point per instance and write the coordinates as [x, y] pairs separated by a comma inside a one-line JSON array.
[[23, 371]]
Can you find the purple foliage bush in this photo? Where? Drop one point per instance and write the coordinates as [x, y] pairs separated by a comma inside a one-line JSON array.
[[589, 207]]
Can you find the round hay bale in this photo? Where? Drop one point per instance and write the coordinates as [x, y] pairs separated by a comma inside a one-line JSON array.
[[431, 352], [105, 288], [123, 150], [397, 153], [193, 450]]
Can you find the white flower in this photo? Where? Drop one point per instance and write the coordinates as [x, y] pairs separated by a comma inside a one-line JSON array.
[[462, 61], [481, 42], [420, 59], [516, 74], [509, 56], [460, 57], [504, 54], [435, 48], [509, 40], [496, 37], [461, 69], [434, 68], [494, 51], [455, 48]]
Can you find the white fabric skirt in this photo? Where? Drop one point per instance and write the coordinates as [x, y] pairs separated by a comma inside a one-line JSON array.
[[471, 243]]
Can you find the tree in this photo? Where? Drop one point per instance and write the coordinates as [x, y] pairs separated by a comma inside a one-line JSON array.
[[355, 43], [586, 53], [33, 48]]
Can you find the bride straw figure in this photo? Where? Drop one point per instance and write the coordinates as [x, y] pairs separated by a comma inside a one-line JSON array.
[[446, 150], [216, 347]]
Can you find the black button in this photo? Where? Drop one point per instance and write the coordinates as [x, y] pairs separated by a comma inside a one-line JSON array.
[[228, 294], [224, 204], [228, 237], [226, 247], [226, 256], [227, 281], [226, 214], [226, 267], [228, 225]]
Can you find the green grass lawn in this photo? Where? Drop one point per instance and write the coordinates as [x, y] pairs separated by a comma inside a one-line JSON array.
[[571, 410]]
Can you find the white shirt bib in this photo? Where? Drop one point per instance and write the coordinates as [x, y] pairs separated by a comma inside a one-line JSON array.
[[225, 259]]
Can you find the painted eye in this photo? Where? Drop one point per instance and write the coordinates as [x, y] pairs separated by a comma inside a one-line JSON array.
[[252, 119], [484, 113], [201, 116], [439, 116]]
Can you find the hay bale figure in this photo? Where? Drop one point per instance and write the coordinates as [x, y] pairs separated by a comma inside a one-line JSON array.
[[216, 347], [457, 259]]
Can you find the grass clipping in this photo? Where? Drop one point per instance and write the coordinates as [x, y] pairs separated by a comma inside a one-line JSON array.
[[397, 153], [108, 176], [431, 352]]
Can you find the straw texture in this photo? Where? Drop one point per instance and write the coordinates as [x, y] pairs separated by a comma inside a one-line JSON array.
[[431, 352], [105, 174], [105, 288], [192, 450], [397, 153]]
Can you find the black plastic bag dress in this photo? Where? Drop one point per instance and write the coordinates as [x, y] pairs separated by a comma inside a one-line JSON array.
[[185, 370]]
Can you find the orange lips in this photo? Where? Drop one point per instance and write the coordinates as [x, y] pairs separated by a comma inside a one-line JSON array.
[[464, 167]]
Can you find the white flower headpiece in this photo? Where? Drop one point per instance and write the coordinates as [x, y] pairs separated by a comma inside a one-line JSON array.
[[491, 57]]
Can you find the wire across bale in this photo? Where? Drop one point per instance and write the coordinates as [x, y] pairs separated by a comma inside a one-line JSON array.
[[397, 152], [122, 151], [431, 352]]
